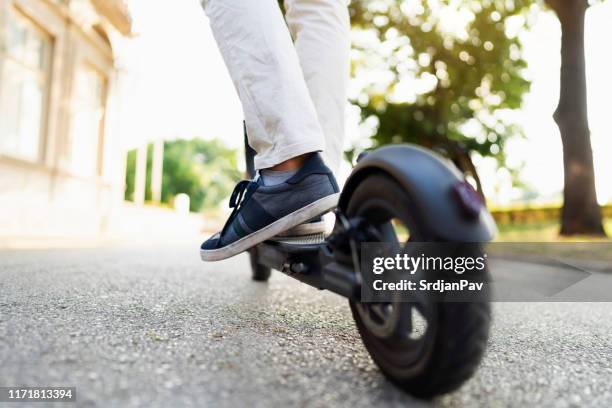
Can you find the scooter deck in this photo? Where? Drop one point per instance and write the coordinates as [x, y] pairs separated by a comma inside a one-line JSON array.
[[312, 239], [293, 247]]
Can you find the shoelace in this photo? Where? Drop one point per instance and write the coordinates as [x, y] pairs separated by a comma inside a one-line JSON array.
[[236, 199], [239, 193]]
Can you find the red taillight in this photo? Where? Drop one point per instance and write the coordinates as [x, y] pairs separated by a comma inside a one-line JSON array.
[[469, 200]]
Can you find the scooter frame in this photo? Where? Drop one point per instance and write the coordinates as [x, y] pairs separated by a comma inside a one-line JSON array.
[[430, 194]]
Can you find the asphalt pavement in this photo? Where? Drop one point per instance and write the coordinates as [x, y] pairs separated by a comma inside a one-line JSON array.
[[156, 327]]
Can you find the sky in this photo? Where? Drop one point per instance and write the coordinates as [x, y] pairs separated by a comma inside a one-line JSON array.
[[176, 85]]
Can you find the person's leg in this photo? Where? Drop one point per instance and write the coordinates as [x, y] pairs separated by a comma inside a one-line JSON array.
[[321, 34], [282, 125], [281, 119]]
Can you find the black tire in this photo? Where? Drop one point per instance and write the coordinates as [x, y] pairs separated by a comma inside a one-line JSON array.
[[260, 273], [455, 336]]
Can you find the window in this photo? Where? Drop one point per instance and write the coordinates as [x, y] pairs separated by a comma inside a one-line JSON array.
[[87, 121], [24, 63]]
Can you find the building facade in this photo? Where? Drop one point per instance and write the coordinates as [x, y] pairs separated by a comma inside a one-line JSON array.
[[61, 165]]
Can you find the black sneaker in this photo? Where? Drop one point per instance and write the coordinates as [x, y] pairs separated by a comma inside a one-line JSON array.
[[262, 212]]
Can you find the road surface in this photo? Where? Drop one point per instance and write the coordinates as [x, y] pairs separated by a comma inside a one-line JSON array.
[[156, 327]]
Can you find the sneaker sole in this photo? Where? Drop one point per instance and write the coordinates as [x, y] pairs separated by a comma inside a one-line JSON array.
[[288, 221]]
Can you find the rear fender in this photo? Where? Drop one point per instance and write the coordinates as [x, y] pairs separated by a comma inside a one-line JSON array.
[[448, 205]]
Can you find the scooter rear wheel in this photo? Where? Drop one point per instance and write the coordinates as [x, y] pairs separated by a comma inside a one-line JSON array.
[[426, 348]]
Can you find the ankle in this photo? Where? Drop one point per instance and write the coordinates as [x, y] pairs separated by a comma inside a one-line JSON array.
[[292, 164]]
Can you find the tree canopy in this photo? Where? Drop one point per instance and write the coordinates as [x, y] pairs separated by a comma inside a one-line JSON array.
[[440, 73], [205, 170]]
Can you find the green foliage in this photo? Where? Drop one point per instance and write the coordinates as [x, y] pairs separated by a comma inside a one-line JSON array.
[[149, 173], [204, 170], [130, 171], [441, 85]]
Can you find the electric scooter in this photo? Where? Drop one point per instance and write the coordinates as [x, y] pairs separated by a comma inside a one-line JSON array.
[[398, 193]]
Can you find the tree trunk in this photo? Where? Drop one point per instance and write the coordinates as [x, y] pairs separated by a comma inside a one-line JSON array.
[[581, 213]]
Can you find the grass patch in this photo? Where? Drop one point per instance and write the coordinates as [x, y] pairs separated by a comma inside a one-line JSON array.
[[547, 231], [538, 239]]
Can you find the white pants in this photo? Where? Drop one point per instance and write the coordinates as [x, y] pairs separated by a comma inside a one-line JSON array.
[[293, 92]]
